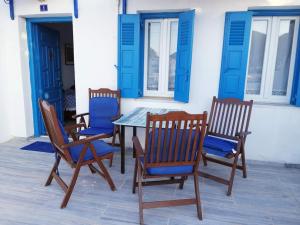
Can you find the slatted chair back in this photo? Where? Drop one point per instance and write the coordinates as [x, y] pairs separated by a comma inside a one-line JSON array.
[[106, 93], [174, 139], [229, 117], [54, 129]]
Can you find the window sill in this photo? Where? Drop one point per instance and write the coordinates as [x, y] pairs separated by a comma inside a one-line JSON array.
[[273, 104], [158, 99]]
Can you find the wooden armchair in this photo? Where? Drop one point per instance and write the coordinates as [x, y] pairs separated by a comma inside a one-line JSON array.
[[225, 138], [104, 108], [77, 153], [173, 149]]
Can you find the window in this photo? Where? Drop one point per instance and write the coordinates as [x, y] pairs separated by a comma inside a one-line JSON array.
[[151, 62], [160, 57], [272, 59]]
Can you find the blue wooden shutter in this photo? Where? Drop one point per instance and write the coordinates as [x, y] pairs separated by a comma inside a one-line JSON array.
[[184, 56], [128, 56], [295, 96], [235, 54]]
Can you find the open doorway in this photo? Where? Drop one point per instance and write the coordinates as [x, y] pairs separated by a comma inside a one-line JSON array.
[[52, 68]]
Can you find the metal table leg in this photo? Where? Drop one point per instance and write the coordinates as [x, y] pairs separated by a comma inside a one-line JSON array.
[[122, 149], [134, 134]]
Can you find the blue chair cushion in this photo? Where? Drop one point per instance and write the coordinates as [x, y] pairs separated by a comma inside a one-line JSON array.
[[168, 137], [102, 110], [65, 135], [95, 131], [217, 146], [171, 169], [167, 170], [101, 148]]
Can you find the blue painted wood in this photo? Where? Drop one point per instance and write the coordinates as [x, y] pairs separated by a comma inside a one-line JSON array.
[[35, 71], [295, 96], [76, 9], [160, 15], [33, 81], [49, 19], [11, 9], [124, 8], [49, 69], [129, 79], [276, 12], [184, 56], [235, 54]]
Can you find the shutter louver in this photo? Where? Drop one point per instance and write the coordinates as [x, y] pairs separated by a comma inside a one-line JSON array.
[[129, 56], [184, 56], [235, 54]]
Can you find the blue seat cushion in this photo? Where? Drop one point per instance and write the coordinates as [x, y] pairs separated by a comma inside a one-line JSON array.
[[95, 131], [102, 110], [167, 170], [217, 146], [101, 148]]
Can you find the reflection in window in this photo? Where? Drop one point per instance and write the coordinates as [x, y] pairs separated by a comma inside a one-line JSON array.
[[172, 54], [256, 58], [153, 55], [283, 58]]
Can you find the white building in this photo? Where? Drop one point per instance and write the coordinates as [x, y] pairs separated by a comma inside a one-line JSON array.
[[269, 76]]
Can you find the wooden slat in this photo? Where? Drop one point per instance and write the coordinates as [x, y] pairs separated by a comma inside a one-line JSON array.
[[159, 204], [158, 151], [176, 142], [171, 141]]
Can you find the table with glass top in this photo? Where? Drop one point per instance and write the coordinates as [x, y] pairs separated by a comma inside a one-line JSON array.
[[134, 119]]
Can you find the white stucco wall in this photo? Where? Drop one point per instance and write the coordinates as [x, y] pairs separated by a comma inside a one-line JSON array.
[[275, 128]]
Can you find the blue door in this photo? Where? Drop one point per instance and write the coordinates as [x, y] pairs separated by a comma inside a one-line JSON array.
[[47, 60]]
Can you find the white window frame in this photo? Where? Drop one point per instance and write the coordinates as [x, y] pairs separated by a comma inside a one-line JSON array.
[[270, 61], [165, 31]]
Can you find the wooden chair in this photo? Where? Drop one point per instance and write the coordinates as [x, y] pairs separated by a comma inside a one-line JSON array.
[[104, 108], [172, 149], [77, 153], [226, 134]]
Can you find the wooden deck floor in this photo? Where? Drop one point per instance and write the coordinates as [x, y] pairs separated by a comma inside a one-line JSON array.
[[269, 195]]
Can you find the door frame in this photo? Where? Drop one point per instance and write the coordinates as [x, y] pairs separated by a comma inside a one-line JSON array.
[[34, 74]]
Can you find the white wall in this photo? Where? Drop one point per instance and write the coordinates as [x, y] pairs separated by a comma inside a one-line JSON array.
[[275, 128]]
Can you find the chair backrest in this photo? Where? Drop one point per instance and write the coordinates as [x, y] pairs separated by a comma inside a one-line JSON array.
[[174, 139], [54, 128], [228, 117], [104, 104]]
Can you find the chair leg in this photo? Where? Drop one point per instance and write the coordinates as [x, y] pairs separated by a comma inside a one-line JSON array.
[[232, 174], [134, 177], [106, 174], [182, 182], [55, 166], [140, 191], [204, 160], [111, 160], [113, 139], [91, 169], [243, 161], [197, 193], [71, 186]]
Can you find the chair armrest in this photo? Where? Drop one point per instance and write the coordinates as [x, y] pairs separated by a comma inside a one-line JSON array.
[[243, 134], [80, 115], [116, 117], [138, 148], [70, 128], [85, 140]]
